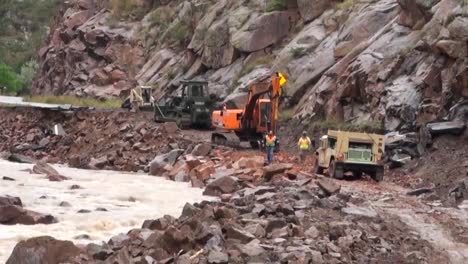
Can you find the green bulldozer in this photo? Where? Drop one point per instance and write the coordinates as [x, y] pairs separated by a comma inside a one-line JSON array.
[[191, 109]]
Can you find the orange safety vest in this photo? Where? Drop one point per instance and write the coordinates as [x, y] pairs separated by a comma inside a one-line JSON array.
[[270, 141]]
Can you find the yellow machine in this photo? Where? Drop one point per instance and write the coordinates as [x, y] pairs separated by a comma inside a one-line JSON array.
[[341, 151], [259, 115], [140, 98]]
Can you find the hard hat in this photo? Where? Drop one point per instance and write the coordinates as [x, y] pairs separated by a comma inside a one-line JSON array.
[[304, 132], [270, 132]]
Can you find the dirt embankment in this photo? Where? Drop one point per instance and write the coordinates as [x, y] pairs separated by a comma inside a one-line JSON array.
[[99, 139]]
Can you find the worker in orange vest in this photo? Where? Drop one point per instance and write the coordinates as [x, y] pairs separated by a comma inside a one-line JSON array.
[[270, 143]]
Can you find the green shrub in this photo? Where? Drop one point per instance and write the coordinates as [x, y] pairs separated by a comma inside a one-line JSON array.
[[28, 72], [9, 79], [161, 16], [345, 5], [276, 5], [127, 9], [179, 33], [297, 53]]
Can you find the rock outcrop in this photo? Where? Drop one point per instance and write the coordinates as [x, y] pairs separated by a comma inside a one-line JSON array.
[[399, 63]]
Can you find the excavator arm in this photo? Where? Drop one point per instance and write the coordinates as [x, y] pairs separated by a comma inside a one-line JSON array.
[[256, 91]]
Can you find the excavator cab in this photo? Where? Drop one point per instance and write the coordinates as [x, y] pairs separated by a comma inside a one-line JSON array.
[[258, 116]]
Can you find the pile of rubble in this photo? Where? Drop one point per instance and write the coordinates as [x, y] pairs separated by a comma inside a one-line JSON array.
[[283, 221], [95, 140]]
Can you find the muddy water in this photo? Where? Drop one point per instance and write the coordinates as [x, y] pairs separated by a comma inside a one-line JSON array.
[[129, 199]]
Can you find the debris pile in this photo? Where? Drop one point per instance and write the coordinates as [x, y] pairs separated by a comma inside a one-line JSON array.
[[284, 222], [94, 140]]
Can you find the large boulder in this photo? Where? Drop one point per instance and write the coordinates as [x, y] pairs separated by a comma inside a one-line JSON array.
[[12, 215], [164, 162], [218, 51], [222, 185], [459, 29], [43, 250], [454, 49], [10, 200], [262, 32], [311, 9], [415, 13]]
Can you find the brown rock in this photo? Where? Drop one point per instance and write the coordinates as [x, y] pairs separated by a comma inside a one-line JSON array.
[[100, 77], [77, 19], [12, 215], [10, 200], [52, 174], [222, 185], [275, 168], [203, 171], [328, 186], [170, 127], [311, 9], [262, 32], [415, 13], [117, 75], [202, 149], [454, 49], [458, 29], [252, 163], [192, 162], [242, 235], [43, 250]]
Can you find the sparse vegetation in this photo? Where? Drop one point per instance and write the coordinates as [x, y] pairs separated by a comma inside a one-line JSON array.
[[28, 71], [276, 5], [127, 9], [285, 115], [179, 33], [77, 101], [299, 52], [161, 17], [266, 60], [345, 5]]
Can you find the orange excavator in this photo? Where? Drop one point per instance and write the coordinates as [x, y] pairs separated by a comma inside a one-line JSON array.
[[259, 115]]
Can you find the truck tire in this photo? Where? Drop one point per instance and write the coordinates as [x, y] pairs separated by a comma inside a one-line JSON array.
[[357, 174], [317, 168], [335, 170], [378, 175]]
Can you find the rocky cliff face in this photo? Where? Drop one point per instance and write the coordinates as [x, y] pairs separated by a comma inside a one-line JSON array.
[[396, 61]]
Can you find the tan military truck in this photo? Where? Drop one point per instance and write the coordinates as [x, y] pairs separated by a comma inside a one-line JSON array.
[[341, 151]]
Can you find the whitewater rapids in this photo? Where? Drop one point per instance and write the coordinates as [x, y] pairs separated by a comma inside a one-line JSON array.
[[128, 198]]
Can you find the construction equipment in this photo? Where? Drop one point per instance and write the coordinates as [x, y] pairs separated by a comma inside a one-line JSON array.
[[259, 115], [191, 109], [140, 98], [341, 151]]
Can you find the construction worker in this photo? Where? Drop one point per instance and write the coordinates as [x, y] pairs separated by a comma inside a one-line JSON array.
[[304, 145], [270, 142]]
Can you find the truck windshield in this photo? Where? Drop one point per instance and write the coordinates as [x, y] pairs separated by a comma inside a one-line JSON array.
[[359, 145]]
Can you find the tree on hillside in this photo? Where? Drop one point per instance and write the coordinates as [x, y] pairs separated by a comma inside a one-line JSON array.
[[9, 79], [23, 29]]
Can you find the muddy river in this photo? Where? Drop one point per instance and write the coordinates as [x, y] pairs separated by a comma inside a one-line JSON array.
[[128, 198]]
